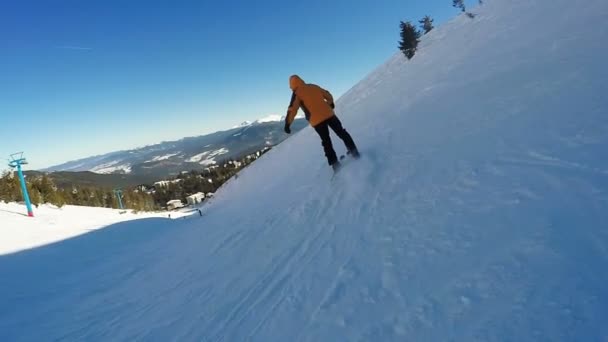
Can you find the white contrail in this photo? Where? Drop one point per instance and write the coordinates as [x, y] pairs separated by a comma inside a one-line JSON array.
[[71, 47]]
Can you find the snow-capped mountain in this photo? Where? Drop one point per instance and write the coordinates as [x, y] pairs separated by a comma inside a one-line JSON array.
[[188, 153], [243, 124], [275, 118], [271, 118]]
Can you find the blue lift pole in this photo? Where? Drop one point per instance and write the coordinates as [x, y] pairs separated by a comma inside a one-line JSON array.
[[16, 163], [26, 196], [118, 194]]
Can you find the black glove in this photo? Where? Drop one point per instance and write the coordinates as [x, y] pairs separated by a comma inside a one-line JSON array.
[[287, 129]]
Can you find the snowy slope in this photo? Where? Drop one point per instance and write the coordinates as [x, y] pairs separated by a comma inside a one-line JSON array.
[[51, 224], [477, 212]]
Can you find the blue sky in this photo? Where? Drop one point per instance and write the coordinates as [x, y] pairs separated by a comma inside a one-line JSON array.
[[80, 78]]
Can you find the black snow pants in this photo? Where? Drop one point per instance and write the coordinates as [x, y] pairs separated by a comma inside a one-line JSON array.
[[336, 126]]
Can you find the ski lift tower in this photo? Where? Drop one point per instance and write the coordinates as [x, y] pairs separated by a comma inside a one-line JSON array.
[[118, 194], [15, 161]]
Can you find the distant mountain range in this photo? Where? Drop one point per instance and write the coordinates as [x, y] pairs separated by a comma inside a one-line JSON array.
[[192, 153]]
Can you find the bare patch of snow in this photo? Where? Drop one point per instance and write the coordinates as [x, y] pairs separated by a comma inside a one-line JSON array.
[[112, 167], [164, 157], [197, 158], [207, 157]]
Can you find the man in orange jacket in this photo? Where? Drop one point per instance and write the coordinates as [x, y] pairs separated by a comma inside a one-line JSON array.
[[318, 106]]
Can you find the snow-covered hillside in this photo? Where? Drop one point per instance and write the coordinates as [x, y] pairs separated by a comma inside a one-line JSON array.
[[478, 212]]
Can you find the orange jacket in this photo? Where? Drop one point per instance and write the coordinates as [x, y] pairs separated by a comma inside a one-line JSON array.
[[316, 102]]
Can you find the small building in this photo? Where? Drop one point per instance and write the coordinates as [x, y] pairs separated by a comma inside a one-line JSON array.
[[196, 198], [165, 183], [174, 204], [142, 188]]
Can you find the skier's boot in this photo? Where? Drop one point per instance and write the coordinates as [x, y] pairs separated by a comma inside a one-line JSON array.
[[354, 153], [336, 166]]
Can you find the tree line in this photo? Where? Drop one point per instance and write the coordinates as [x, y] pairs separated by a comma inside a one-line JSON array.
[[144, 197], [42, 189]]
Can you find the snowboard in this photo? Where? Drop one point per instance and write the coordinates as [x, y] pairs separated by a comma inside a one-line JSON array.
[[344, 160]]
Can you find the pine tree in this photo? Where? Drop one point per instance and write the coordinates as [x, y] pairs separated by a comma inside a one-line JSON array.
[[426, 24], [108, 198], [74, 196], [35, 196], [3, 186], [62, 198], [11, 188], [459, 4], [53, 197], [409, 39], [45, 186], [140, 204], [96, 200]]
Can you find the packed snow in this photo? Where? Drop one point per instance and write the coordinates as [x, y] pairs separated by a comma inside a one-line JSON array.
[[52, 224], [476, 213]]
